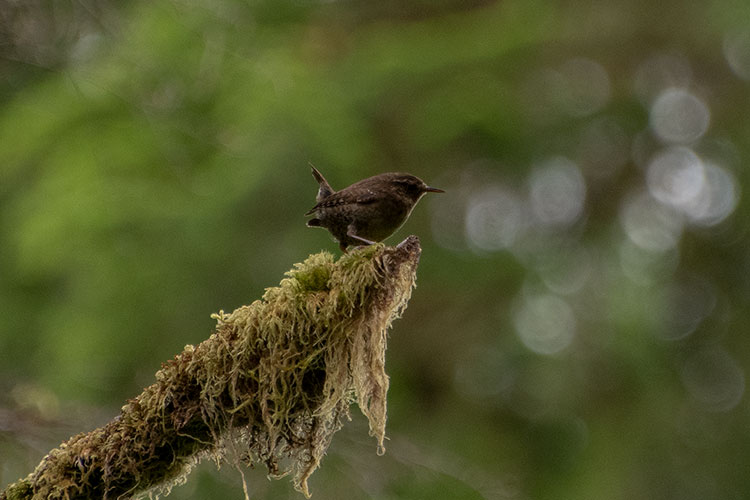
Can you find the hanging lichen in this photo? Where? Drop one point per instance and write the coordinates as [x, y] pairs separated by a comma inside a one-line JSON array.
[[272, 384]]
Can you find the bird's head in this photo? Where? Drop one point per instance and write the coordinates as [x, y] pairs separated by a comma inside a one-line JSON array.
[[410, 186]]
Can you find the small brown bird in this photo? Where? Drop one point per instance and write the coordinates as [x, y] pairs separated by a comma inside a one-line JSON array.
[[368, 211]]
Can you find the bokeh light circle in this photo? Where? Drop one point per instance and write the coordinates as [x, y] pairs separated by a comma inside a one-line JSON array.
[[676, 177], [737, 52], [714, 379], [717, 198], [494, 217], [557, 192], [678, 116], [587, 86], [649, 224], [545, 323]]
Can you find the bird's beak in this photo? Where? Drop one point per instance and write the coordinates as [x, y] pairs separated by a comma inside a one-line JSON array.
[[429, 189]]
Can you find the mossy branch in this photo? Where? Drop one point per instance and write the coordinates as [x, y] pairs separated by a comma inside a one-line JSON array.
[[272, 384]]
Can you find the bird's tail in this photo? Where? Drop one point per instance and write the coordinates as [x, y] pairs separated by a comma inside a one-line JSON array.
[[325, 189]]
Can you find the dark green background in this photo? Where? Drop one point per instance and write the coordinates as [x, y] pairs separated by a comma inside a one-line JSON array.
[[579, 329]]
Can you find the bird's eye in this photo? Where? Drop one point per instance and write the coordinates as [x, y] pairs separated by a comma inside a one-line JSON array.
[[411, 187]]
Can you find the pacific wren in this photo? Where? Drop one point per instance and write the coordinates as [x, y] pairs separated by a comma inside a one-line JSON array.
[[368, 211]]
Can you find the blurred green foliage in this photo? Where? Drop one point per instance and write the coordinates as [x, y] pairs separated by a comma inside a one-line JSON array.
[[580, 326]]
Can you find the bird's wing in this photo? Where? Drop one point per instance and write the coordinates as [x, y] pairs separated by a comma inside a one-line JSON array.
[[345, 198]]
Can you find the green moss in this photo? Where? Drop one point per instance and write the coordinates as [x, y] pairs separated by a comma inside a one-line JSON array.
[[18, 491], [314, 274]]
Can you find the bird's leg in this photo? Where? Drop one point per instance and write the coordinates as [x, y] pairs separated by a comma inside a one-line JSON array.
[[350, 234]]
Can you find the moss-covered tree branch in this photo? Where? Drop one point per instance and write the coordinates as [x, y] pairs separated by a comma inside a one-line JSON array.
[[272, 384]]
